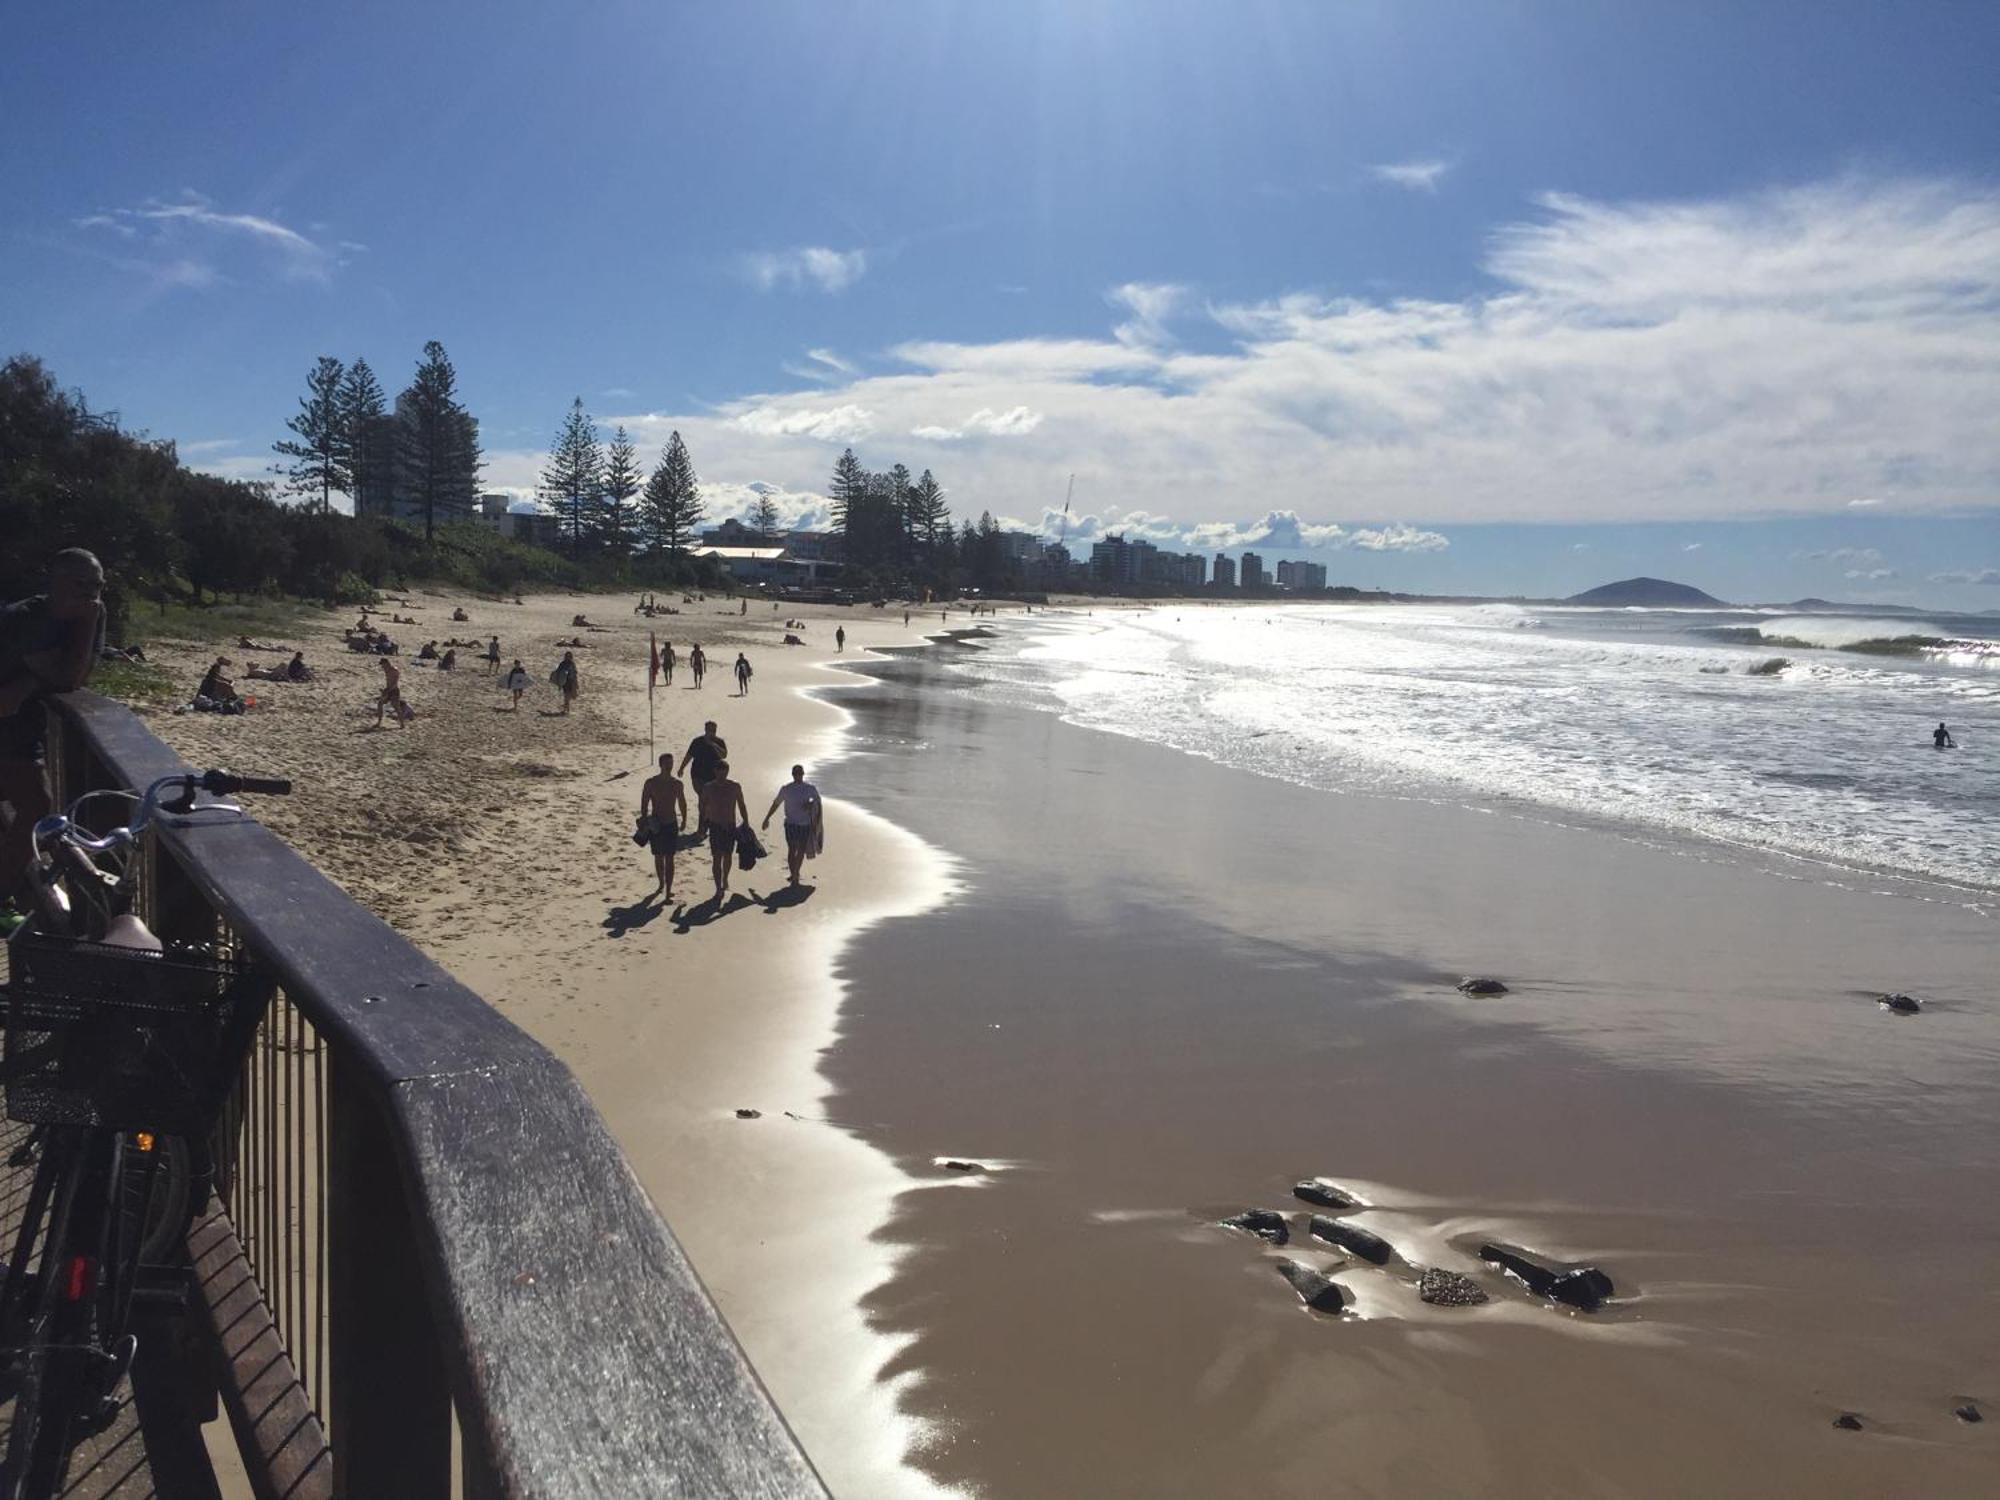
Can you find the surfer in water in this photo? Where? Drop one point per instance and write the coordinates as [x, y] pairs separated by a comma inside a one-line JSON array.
[[1941, 737]]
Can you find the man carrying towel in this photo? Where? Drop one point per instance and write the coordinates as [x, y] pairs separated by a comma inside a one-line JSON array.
[[800, 799]]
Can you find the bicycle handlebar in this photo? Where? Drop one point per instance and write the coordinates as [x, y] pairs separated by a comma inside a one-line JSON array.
[[182, 784]]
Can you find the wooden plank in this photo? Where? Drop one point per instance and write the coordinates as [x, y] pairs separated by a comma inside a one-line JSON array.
[[284, 1451], [586, 1357]]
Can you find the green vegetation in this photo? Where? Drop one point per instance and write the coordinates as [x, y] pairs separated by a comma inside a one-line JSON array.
[[175, 542]]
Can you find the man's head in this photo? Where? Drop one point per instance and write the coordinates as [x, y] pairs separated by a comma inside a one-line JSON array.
[[709, 727], [798, 773], [667, 764], [76, 584], [721, 769]]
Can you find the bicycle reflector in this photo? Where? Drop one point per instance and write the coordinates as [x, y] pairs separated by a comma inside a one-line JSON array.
[[143, 1140], [80, 1274]]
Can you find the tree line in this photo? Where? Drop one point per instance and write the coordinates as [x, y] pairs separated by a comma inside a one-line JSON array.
[[601, 505], [417, 460]]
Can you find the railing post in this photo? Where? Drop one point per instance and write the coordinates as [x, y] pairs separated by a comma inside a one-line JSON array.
[[390, 1394]]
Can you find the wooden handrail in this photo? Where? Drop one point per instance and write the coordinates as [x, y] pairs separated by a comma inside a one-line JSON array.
[[584, 1355]]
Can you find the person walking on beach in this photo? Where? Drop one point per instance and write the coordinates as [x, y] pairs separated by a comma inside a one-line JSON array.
[[840, 637], [722, 809], [742, 675], [49, 643], [697, 662], [800, 799], [663, 800], [493, 654], [390, 699], [705, 752], [667, 659], [1941, 737], [516, 682], [564, 677]]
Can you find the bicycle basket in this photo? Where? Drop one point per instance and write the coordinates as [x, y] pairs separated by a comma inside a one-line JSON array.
[[115, 1037]]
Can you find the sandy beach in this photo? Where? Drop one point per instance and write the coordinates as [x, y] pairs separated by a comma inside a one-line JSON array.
[[1144, 992]]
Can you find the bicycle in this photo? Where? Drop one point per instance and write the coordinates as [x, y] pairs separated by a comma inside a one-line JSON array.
[[120, 1050]]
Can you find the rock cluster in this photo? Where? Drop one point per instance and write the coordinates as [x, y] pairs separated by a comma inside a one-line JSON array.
[[1265, 1223], [1472, 986], [1443, 1288]]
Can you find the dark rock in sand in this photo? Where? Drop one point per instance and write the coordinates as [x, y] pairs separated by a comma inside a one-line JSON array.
[[1471, 986], [1315, 1290], [1903, 1005], [1583, 1287], [1370, 1247], [1265, 1223], [749, 1114], [1847, 1422], [954, 1164], [1312, 1190], [1443, 1288], [1968, 1413]]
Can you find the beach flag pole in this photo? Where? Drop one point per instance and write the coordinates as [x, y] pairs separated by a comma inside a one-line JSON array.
[[652, 676]]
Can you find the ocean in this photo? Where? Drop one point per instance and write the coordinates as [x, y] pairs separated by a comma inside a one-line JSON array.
[[1804, 736]]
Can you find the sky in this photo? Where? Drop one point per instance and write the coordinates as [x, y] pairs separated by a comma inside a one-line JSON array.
[[1500, 296]]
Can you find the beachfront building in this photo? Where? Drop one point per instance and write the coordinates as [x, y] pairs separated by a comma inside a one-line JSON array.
[[1225, 571], [1116, 562], [1252, 572], [1301, 575], [535, 527], [778, 564]]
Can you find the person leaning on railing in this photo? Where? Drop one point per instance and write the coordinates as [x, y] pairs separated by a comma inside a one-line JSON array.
[[48, 644]]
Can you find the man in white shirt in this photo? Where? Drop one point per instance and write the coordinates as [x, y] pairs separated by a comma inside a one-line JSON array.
[[800, 799]]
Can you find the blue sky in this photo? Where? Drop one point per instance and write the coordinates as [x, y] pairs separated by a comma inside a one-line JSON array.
[[1482, 296]]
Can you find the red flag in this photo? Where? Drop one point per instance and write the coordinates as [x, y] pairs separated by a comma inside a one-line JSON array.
[[653, 667]]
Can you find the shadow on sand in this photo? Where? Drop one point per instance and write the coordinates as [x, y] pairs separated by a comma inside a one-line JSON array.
[[687, 918], [782, 897], [623, 919]]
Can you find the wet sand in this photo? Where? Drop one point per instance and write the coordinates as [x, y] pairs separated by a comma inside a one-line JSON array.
[[1169, 990]]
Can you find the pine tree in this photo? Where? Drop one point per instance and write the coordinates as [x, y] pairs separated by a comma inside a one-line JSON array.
[[849, 494], [930, 518], [367, 440], [621, 483], [573, 477], [671, 508], [437, 443], [764, 519], [897, 522], [319, 459]]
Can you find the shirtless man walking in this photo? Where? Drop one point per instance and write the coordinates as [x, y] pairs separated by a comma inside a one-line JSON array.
[[391, 696], [705, 753], [722, 806], [663, 800]]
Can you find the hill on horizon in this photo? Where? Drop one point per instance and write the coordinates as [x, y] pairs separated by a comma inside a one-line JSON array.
[[1646, 593]]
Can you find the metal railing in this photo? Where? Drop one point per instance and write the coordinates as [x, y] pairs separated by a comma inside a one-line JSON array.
[[426, 1264]]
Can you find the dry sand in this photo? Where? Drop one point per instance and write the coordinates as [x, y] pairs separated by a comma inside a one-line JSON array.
[[499, 842]]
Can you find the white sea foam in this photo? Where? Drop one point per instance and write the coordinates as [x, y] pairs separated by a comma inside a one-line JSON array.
[[1605, 714]]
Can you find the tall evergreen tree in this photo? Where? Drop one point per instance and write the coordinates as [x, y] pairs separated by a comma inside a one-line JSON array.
[[671, 507], [437, 442], [897, 522], [930, 518], [368, 440], [319, 464], [849, 494], [764, 519], [622, 479], [573, 478]]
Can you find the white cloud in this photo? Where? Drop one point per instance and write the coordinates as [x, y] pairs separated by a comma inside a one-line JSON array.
[[1579, 546], [1862, 504], [1858, 556], [1871, 575], [1420, 176], [1968, 575], [183, 239], [1692, 547], [1017, 421], [839, 424], [807, 265], [1782, 353]]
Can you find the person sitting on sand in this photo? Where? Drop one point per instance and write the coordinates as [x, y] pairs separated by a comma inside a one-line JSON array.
[[722, 809], [742, 675], [493, 654], [697, 662], [565, 678], [214, 686], [296, 669], [428, 651], [448, 661], [516, 682], [800, 799], [579, 622], [459, 616], [792, 640], [1941, 737], [705, 752], [663, 801], [391, 696]]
